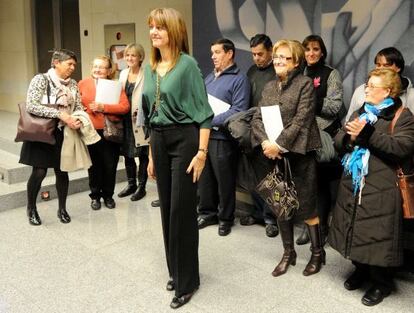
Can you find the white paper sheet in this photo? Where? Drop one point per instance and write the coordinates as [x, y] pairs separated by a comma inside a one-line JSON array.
[[272, 121], [108, 91], [218, 106]]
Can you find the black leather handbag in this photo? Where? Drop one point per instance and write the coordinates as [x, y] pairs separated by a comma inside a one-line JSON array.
[[31, 127], [279, 191]]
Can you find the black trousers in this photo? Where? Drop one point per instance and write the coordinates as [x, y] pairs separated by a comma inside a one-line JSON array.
[[142, 154], [329, 175], [102, 174], [173, 148], [217, 186], [380, 277]]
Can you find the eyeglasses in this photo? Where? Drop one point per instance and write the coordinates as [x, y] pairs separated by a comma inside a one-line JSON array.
[[370, 86], [281, 57]]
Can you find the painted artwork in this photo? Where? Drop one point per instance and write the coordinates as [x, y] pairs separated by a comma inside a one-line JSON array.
[[353, 30], [117, 55]]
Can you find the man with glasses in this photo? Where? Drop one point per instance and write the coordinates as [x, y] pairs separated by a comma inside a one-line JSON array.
[[386, 58], [259, 74]]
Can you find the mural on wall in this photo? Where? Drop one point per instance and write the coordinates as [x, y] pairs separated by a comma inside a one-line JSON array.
[[353, 30]]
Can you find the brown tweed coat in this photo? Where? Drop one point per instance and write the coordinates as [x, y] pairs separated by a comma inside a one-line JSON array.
[[300, 135]]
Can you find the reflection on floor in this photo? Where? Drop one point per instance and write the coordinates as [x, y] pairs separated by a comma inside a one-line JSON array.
[[113, 261]]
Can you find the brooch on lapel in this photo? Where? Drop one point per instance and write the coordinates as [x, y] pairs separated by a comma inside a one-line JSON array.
[[316, 82]]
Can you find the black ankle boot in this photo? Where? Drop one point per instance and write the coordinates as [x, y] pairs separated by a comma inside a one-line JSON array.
[[63, 216], [34, 218], [139, 194], [128, 190], [142, 182], [289, 255], [318, 253]]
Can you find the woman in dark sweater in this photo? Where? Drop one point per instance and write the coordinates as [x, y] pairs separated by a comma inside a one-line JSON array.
[[329, 93]]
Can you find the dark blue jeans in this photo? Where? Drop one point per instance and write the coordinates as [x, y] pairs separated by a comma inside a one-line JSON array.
[[261, 210]]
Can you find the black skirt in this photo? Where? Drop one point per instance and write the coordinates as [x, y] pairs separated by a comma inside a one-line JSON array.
[[39, 154]]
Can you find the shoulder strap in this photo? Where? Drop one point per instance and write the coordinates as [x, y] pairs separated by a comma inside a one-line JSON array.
[[47, 88], [394, 120]]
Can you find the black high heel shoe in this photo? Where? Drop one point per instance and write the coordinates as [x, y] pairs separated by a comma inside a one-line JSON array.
[[180, 301], [170, 285], [34, 218], [63, 216]]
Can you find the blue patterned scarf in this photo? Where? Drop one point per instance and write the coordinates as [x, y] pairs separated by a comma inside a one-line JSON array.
[[356, 162]]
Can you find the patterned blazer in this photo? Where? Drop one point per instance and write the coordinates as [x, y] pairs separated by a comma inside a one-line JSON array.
[[296, 99]]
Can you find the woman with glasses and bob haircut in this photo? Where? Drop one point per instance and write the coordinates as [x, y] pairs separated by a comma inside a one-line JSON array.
[[104, 154], [367, 218], [295, 95], [179, 117]]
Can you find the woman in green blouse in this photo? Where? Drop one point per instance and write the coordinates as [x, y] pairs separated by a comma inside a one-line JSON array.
[[179, 118]]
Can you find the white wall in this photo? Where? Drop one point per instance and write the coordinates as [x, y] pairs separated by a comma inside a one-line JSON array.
[[16, 52], [94, 14]]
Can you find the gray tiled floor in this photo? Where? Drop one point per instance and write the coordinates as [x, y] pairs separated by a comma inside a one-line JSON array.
[[112, 261]]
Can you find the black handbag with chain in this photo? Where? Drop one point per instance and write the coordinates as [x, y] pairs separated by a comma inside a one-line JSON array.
[[279, 191]]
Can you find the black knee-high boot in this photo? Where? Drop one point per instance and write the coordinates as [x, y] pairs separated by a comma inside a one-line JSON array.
[[303, 238], [131, 171], [318, 253], [142, 179], [289, 255]]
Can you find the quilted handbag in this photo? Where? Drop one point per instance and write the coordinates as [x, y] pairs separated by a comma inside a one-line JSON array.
[[279, 191]]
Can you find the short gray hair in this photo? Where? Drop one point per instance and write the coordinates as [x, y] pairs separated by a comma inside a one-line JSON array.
[[62, 55]]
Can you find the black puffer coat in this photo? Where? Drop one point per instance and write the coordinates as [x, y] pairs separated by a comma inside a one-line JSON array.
[[371, 232]]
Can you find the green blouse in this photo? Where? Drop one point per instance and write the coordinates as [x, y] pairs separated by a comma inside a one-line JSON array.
[[183, 96]]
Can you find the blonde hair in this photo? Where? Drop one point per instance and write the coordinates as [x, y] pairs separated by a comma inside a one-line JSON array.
[[137, 49], [111, 68], [390, 79], [295, 48], [172, 21]]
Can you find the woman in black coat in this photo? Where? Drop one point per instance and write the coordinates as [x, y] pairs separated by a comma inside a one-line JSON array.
[[367, 219]]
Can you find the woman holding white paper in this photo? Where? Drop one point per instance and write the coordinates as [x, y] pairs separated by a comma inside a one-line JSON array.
[[104, 154], [298, 140]]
